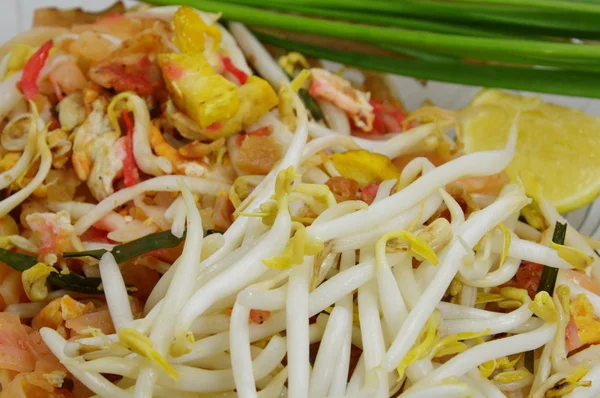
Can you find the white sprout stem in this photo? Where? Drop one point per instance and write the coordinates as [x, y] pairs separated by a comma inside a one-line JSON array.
[[456, 311], [543, 369], [420, 212], [9, 176], [534, 252], [182, 284], [158, 184], [264, 190], [115, 292], [468, 296], [14, 200], [392, 304], [259, 56], [499, 324], [526, 231], [241, 359], [160, 289], [238, 275], [487, 387], [358, 377], [269, 300], [10, 95], [474, 229], [142, 152], [372, 333], [340, 375], [394, 147], [405, 279], [92, 380], [234, 52], [475, 356], [144, 385], [499, 276], [297, 330], [335, 140], [193, 379], [446, 391], [329, 350], [322, 297], [475, 164], [76, 210], [178, 225], [335, 117], [419, 369], [371, 387]]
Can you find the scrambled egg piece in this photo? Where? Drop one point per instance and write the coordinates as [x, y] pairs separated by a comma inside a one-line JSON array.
[[588, 327], [364, 167], [191, 31], [98, 152], [195, 87]]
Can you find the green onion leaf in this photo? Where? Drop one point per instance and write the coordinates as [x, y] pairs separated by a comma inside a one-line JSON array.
[[77, 283], [311, 104], [129, 250]]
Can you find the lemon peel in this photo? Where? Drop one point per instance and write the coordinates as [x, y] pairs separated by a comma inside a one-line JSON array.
[[34, 281], [575, 257], [416, 245], [142, 345], [568, 184]]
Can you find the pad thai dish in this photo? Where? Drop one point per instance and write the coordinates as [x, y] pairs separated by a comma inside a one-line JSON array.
[[186, 213]]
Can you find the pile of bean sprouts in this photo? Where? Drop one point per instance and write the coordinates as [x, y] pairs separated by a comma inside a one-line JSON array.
[[186, 346]]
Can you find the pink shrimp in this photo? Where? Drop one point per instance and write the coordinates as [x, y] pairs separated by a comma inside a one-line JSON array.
[[338, 91]]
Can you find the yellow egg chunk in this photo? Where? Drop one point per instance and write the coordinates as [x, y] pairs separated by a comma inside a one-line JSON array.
[[195, 87], [364, 167], [558, 145]]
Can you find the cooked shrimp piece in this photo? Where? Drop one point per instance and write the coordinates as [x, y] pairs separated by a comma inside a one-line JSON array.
[[332, 88], [53, 233], [489, 185], [581, 279]]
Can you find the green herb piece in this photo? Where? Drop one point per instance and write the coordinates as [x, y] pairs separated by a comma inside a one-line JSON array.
[[129, 250], [549, 274], [548, 281], [311, 104], [77, 283]]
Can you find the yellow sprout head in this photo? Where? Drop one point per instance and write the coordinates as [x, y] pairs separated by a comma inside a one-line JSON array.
[[416, 245], [142, 345], [422, 349], [543, 306]]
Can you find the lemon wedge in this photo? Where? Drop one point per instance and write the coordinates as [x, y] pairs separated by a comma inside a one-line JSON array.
[[559, 145]]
